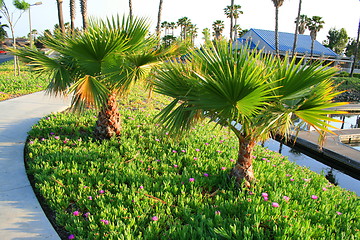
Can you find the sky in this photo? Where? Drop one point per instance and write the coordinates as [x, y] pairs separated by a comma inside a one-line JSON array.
[[258, 14]]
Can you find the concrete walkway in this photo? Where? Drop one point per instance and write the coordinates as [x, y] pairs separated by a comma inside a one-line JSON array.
[[21, 216]]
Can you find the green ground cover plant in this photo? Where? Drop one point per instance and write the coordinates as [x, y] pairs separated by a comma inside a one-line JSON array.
[[13, 86], [146, 185]]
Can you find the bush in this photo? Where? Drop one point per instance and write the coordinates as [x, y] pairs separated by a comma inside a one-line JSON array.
[[146, 185]]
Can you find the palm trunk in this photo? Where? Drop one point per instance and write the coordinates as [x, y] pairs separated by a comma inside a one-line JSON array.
[[276, 30], [243, 170], [130, 9], [296, 29], [235, 30], [231, 20], [72, 14], [60, 15], [312, 48], [83, 6], [108, 123], [159, 20], [356, 52]]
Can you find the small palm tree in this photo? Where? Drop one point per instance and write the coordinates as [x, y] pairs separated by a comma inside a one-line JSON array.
[[98, 65], [255, 96], [218, 27], [277, 4], [302, 23], [72, 14], [314, 25]]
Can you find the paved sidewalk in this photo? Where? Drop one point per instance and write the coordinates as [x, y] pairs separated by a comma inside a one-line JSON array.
[[21, 216]]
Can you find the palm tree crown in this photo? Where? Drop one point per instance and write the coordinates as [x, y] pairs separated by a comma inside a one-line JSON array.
[[314, 24]]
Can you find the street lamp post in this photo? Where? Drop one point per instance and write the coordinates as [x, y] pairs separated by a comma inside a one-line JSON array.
[[30, 34]]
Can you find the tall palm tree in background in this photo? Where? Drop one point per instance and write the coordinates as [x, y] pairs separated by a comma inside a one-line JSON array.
[[218, 27], [254, 95], [231, 16], [296, 29], [72, 14], [314, 24], [277, 4], [130, 8], [83, 8], [184, 23], [60, 15], [235, 12], [159, 18], [98, 65], [302, 23]]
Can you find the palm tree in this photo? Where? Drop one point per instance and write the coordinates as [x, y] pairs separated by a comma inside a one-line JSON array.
[[277, 4], [218, 27], [72, 14], [165, 25], [356, 51], [314, 25], [83, 8], [159, 18], [60, 15], [254, 95], [172, 26], [235, 12], [130, 8], [184, 23], [296, 28], [3, 33], [302, 23], [98, 65]]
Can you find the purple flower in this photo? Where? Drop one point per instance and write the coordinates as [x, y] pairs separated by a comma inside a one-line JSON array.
[[198, 150], [90, 197], [106, 222], [57, 137], [31, 142], [223, 168], [42, 139], [266, 198], [264, 194], [175, 166], [52, 133], [195, 158], [158, 140], [86, 214], [314, 197], [291, 179], [206, 143], [174, 151], [154, 218], [141, 187], [206, 175], [288, 175], [65, 141], [264, 159], [232, 160], [76, 213], [191, 179], [274, 204], [251, 193], [324, 189], [217, 212], [183, 151], [71, 236], [306, 179], [286, 198], [101, 191], [338, 213]]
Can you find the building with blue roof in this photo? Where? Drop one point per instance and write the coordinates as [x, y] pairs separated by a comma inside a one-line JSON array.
[[265, 39], [260, 39]]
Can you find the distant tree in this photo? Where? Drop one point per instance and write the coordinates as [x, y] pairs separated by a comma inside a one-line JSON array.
[[192, 32], [184, 24], [72, 14], [277, 4], [3, 33], [165, 25], [168, 40], [83, 7], [302, 23], [218, 27], [206, 37], [172, 26], [235, 12], [337, 40], [314, 25], [297, 21], [356, 54], [241, 32]]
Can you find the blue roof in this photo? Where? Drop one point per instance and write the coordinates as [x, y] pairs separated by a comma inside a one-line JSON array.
[[286, 42]]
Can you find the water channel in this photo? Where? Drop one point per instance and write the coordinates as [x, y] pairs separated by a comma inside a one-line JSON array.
[[321, 166]]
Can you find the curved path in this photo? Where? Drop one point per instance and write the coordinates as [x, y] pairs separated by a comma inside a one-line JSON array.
[[21, 216]]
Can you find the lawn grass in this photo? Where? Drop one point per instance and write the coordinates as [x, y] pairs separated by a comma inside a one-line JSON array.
[[13, 86], [146, 185]]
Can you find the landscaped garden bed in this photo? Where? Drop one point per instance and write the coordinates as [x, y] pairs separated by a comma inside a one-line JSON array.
[[147, 185], [13, 86]]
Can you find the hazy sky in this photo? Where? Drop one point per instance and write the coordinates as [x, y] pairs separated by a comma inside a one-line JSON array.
[[257, 13]]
